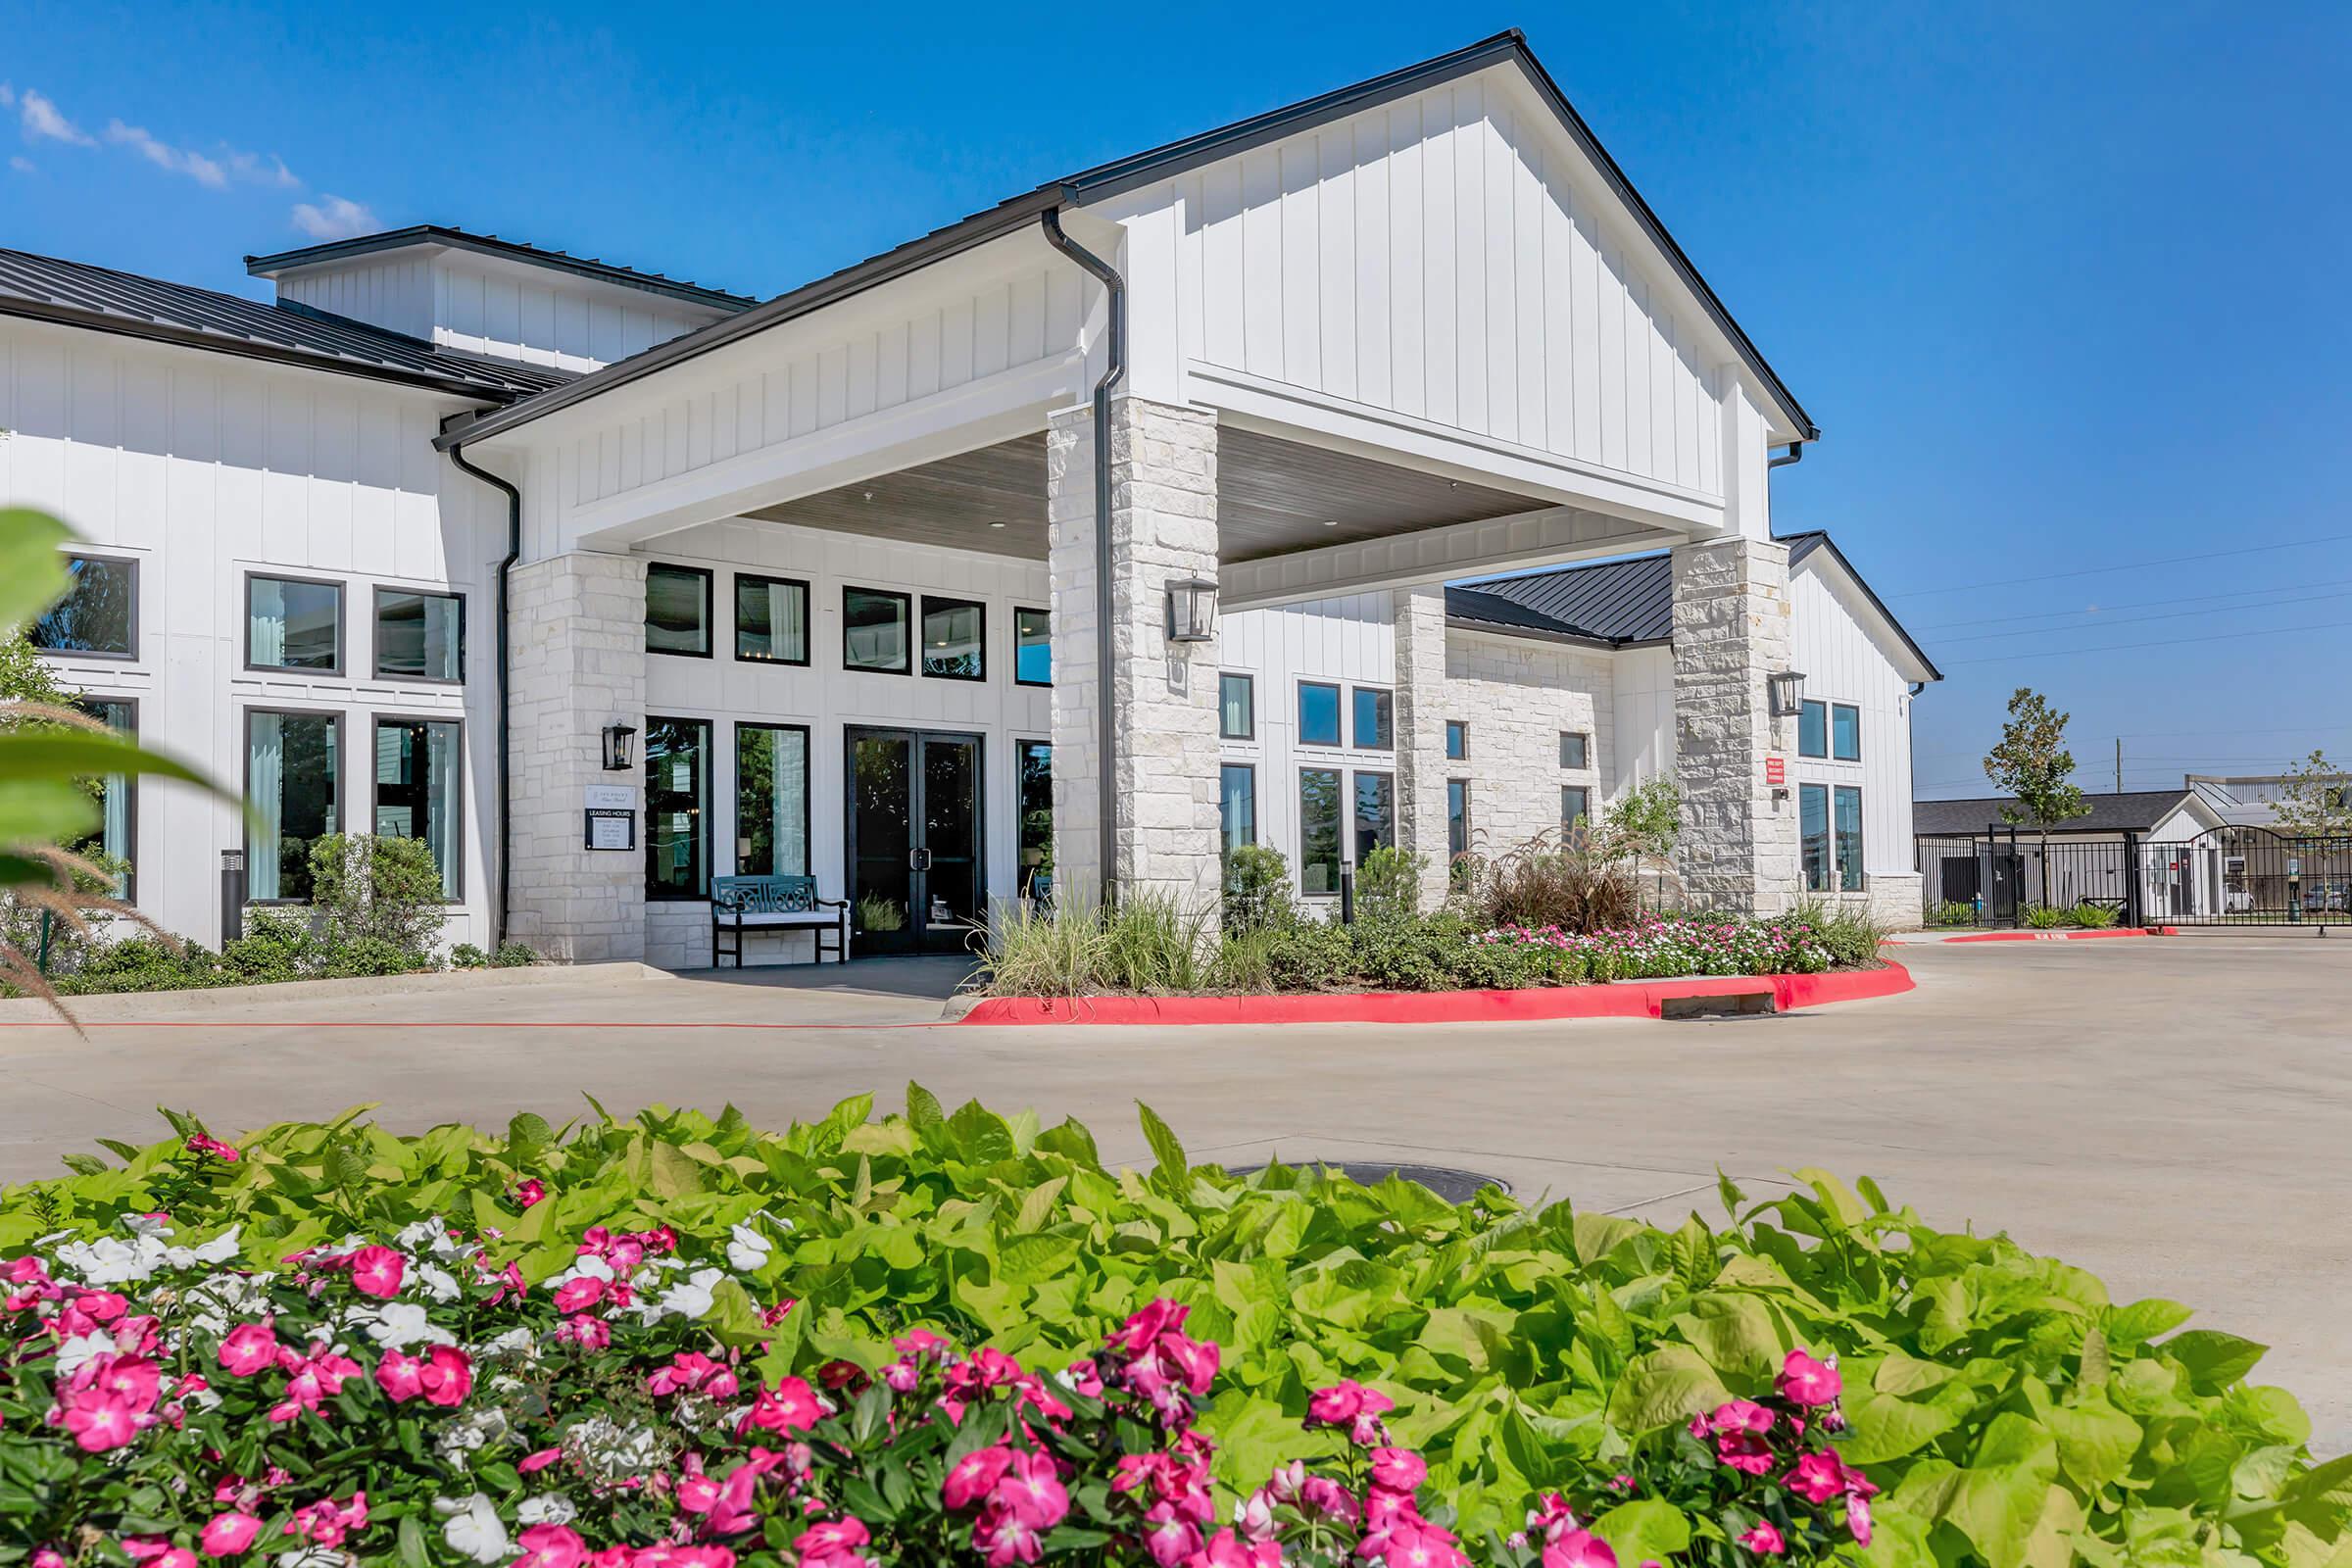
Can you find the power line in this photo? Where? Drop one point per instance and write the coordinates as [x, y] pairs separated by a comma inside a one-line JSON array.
[[2169, 642], [2140, 603], [2134, 620], [2128, 565]]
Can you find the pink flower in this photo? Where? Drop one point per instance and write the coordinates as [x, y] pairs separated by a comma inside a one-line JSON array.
[[1816, 1478], [1158, 1317], [446, 1376], [831, 1539], [575, 1295], [1398, 1470], [1807, 1381], [1857, 1517], [1744, 1451], [1168, 1538], [534, 1463], [103, 1422], [974, 1476], [1580, 1548], [377, 1271], [790, 1407], [1741, 1415], [200, 1144], [529, 1193], [550, 1546], [588, 1332], [1033, 1493], [229, 1534], [1764, 1539], [250, 1347], [401, 1376], [1225, 1549]]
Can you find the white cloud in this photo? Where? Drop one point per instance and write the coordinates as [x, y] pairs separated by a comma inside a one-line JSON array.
[[178, 160], [255, 169], [333, 217], [8, 96], [41, 118], [23, 165]]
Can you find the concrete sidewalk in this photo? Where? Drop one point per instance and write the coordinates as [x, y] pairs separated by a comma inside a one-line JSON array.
[[2171, 1114]]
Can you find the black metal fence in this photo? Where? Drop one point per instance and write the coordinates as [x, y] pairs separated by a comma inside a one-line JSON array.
[[2248, 876]]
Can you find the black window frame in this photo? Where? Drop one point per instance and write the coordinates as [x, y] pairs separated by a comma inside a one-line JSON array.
[[702, 895], [1022, 869], [1248, 684], [710, 608], [906, 665], [807, 619], [32, 628], [1568, 819], [1339, 713], [1584, 750], [342, 755], [1457, 740], [1828, 839], [921, 627], [342, 664], [1343, 817], [1355, 840], [808, 785], [1225, 844], [83, 703], [1855, 710], [457, 810], [1805, 710], [1854, 877], [1045, 616], [1458, 822], [376, 633], [1384, 710]]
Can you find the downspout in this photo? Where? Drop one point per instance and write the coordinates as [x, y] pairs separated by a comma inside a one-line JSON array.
[[506, 566], [1789, 458], [1114, 364]]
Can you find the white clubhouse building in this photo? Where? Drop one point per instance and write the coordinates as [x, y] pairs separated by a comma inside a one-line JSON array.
[[854, 578]]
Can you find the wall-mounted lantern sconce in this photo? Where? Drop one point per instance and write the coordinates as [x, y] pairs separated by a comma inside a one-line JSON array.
[[616, 747], [1192, 610], [1787, 691]]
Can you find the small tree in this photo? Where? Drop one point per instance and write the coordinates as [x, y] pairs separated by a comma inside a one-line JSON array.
[[2315, 800], [2031, 763]]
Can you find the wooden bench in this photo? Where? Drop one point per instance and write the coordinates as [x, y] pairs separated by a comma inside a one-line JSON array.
[[740, 904]]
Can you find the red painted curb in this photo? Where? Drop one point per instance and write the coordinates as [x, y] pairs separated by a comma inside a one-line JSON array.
[[1626, 1000], [2066, 936]]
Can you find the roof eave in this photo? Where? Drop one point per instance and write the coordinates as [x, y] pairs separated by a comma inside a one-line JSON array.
[[416, 235]]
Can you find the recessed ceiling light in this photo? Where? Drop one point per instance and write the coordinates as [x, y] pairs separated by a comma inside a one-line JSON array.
[[1331, 522], [995, 525], [870, 495]]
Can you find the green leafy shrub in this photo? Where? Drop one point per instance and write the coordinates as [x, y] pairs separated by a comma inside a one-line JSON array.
[[1388, 885], [2005, 1409], [376, 893], [2093, 916], [515, 956], [2043, 917], [1951, 913], [1850, 931], [1256, 889], [465, 956]]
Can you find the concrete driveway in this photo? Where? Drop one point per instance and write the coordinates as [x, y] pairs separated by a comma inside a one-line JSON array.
[[2172, 1115]]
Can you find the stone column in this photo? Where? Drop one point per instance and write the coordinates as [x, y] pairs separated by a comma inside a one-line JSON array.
[[1163, 695], [1421, 713], [576, 664], [1730, 630]]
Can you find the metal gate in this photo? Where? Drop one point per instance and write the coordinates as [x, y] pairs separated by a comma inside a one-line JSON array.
[[2248, 876]]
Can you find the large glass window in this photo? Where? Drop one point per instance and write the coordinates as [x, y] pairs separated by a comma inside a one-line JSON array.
[[420, 636], [1319, 828], [954, 639], [1845, 732], [772, 619], [293, 798], [1458, 741], [1237, 805], [416, 788], [1813, 835], [1457, 819], [677, 611], [1375, 814], [1813, 729], [1374, 718], [772, 799], [874, 627], [1032, 647], [1237, 707], [1576, 749], [677, 807], [1848, 825], [1575, 805], [99, 614], [1318, 713], [292, 624], [117, 838], [1033, 760]]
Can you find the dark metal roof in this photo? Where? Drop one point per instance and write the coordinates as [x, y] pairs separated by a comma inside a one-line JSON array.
[[393, 239], [1161, 163], [2134, 811], [77, 294]]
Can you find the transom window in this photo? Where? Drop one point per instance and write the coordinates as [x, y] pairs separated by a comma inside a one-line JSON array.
[[1237, 707], [293, 623], [954, 639], [1845, 732], [420, 636], [1032, 647], [99, 614], [875, 626], [1813, 729], [1458, 741], [1318, 713], [772, 619], [677, 611], [1576, 749]]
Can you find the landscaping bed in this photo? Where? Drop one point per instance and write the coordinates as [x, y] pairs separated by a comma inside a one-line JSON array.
[[680, 1342]]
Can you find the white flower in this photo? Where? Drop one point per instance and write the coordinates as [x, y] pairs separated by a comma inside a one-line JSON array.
[[312, 1557], [427, 1234], [109, 1260], [472, 1528], [437, 1282], [401, 1324], [547, 1508], [515, 1341], [81, 1350], [748, 1250], [691, 1299], [148, 1224]]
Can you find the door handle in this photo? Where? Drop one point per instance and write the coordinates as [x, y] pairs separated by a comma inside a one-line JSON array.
[[919, 860]]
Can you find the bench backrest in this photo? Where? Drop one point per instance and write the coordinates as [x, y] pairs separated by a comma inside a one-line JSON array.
[[764, 895]]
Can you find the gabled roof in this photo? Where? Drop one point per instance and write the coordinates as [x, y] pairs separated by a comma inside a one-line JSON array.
[[394, 239], [1104, 181], [2133, 812], [77, 294]]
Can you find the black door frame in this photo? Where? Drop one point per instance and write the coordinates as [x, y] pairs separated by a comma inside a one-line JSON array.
[[918, 902]]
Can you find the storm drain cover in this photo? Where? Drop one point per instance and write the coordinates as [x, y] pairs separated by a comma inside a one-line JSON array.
[[1454, 1186]]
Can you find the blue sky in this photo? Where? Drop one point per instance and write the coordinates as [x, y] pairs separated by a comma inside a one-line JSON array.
[[2064, 285]]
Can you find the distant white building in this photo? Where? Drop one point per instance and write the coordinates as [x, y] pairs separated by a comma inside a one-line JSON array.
[[421, 545]]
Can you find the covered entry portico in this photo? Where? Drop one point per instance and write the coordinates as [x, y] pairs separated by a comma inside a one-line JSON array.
[[1415, 332]]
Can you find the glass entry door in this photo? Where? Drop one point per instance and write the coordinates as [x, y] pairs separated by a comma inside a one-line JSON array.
[[913, 819]]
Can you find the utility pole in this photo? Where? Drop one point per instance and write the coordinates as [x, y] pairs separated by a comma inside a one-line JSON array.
[[2119, 765]]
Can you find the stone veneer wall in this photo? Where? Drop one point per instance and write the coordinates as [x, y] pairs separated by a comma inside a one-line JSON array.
[[578, 664], [1730, 630], [1163, 695]]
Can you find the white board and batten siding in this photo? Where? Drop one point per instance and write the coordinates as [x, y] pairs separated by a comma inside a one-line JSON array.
[[1842, 663], [204, 469], [826, 698]]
